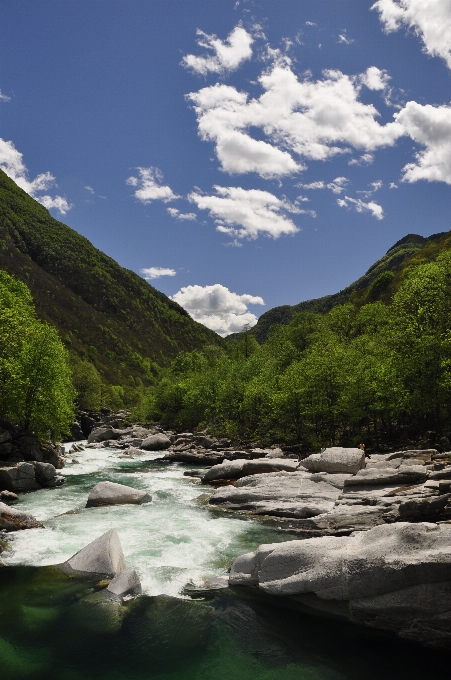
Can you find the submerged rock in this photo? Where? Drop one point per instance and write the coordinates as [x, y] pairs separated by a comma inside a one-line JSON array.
[[110, 493], [395, 577], [12, 519], [103, 557]]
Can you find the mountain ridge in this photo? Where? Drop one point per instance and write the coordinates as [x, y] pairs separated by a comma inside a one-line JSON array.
[[104, 312]]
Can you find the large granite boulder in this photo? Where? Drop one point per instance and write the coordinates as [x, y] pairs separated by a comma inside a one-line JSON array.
[[102, 434], [395, 577], [101, 557], [18, 477], [235, 469], [12, 519], [283, 494], [335, 460], [110, 493], [156, 442]]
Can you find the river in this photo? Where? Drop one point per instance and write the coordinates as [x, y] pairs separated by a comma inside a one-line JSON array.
[[47, 629]]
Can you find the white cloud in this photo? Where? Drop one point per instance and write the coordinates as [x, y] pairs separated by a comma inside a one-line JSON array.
[[181, 216], [218, 308], [90, 189], [248, 213], [360, 206], [4, 97], [343, 38], [11, 162], [393, 185], [430, 126], [336, 186], [365, 159], [310, 23], [373, 187], [227, 55], [430, 19], [150, 187], [310, 119], [155, 272], [375, 78]]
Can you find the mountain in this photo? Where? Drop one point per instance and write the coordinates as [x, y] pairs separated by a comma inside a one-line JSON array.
[[103, 312], [379, 283]]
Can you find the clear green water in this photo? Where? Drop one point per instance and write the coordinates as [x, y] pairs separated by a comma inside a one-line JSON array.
[[54, 627]]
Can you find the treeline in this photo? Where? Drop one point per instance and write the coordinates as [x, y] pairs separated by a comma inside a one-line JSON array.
[[381, 373]]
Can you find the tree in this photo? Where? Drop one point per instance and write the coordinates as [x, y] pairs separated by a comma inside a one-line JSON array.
[[35, 381]]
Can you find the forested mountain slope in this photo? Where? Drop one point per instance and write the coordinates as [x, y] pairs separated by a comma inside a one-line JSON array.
[[103, 312], [379, 283]]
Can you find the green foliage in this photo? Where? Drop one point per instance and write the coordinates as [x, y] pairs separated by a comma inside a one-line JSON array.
[[36, 392], [87, 384], [376, 372]]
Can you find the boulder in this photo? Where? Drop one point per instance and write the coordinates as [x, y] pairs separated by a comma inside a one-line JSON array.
[[335, 460], [125, 583], [101, 434], [76, 432], [243, 468], [86, 423], [44, 472], [18, 477], [102, 557], [394, 576], [156, 442], [53, 454], [110, 493], [12, 519], [8, 496], [57, 480]]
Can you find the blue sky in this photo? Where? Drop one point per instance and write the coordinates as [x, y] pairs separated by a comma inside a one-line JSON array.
[[240, 155]]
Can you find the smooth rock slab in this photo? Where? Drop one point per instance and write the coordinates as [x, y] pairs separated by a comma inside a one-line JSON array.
[[235, 469], [336, 459], [110, 493], [103, 557], [412, 474], [156, 442]]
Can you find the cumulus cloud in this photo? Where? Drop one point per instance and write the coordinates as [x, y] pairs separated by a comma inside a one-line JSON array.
[[218, 308], [343, 38], [244, 213], [430, 19], [181, 216], [375, 78], [150, 187], [309, 119], [225, 55], [430, 126], [4, 97], [360, 206], [11, 162], [155, 272]]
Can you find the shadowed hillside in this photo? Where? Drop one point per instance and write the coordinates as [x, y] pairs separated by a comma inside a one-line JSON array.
[[104, 313]]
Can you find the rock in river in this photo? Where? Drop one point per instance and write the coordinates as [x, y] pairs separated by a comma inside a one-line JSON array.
[[12, 519], [396, 577], [125, 583], [234, 469], [103, 557], [110, 493], [156, 442]]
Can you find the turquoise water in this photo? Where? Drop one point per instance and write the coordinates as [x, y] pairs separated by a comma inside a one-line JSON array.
[[54, 627]]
